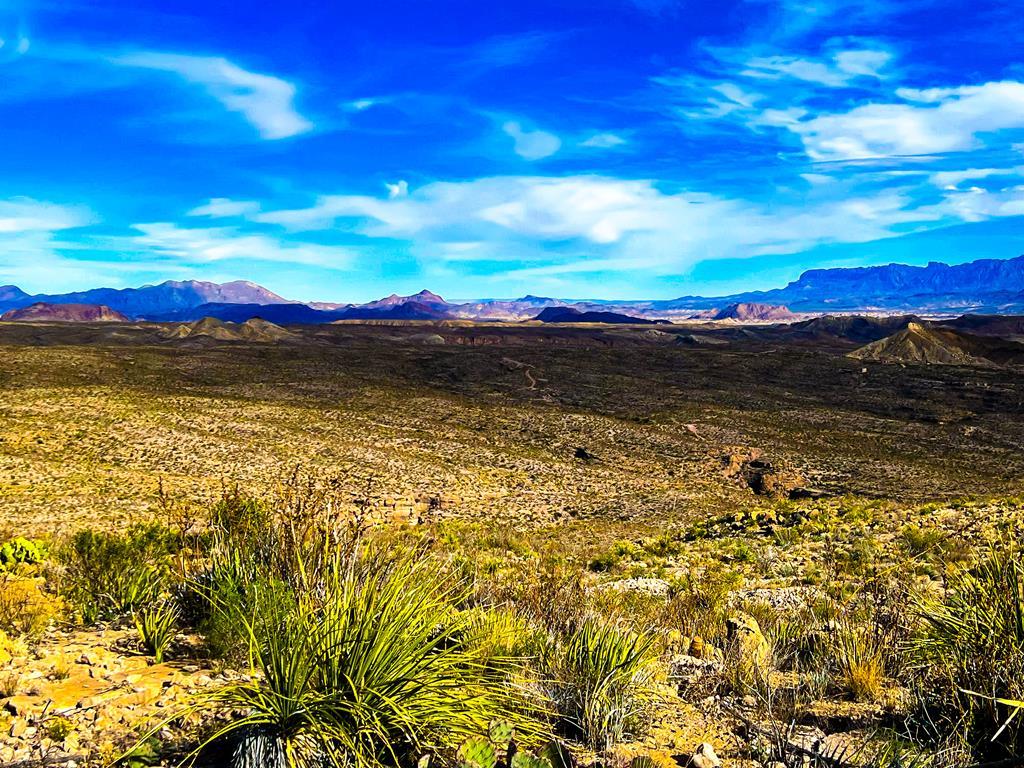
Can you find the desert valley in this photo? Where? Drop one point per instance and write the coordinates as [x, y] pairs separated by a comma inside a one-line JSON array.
[[774, 518]]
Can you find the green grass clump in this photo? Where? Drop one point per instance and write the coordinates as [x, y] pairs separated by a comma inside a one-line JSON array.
[[107, 575], [157, 627]]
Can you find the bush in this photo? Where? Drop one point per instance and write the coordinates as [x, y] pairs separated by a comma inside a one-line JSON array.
[[603, 682], [860, 662], [698, 602], [970, 651], [156, 626], [25, 609], [107, 575]]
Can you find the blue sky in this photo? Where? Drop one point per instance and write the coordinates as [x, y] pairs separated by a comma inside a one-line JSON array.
[[602, 149]]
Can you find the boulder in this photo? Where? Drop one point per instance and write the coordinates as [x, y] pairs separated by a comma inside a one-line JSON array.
[[704, 756], [762, 476]]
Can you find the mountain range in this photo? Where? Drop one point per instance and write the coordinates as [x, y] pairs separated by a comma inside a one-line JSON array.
[[992, 286]]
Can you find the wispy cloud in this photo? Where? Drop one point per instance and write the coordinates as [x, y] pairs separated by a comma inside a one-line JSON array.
[[23, 214], [603, 141], [32, 241], [844, 68], [578, 221], [928, 121], [265, 101]]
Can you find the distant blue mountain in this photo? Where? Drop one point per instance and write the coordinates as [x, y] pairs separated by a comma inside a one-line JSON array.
[[988, 285], [301, 314], [149, 299], [573, 315], [984, 284]]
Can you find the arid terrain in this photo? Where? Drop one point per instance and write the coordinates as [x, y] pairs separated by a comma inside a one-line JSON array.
[[694, 483], [485, 422]]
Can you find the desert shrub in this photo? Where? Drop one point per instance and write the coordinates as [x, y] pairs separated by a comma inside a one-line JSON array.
[[371, 662], [970, 650], [58, 728], [860, 662], [20, 551], [156, 624], [698, 601], [25, 608], [603, 682], [106, 575], [925, 543], [10, 684], [551, 596]]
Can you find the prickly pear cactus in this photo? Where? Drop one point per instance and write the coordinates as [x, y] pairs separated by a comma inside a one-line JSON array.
[[477, 752], [641, 761], [20, 550], [501, 733], [526, 760]]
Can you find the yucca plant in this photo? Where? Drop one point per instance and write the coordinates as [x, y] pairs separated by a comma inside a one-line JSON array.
[[970, 651], [156, 624], [603, 681], [370, 664]]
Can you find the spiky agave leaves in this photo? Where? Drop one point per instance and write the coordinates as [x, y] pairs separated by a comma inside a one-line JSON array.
[[372, 666]]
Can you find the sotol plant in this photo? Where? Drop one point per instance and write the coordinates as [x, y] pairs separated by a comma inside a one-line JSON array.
[[971, 649], [603, 681]]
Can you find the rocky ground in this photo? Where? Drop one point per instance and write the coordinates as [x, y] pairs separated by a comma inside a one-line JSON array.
[[641, 459]]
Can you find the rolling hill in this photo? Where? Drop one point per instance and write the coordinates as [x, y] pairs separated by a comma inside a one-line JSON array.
[[936, 345]]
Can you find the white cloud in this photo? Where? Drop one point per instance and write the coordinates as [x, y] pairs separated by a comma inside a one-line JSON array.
[[205, 245], [398, 189], [773, 67], [31, 242], [586, 220], [603, 141], [222, 207], [953, 179], [267, 102], [864, 63], [532, 145], [926, 122]]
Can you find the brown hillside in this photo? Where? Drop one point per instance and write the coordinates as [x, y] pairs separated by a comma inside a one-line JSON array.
[[65, 313]]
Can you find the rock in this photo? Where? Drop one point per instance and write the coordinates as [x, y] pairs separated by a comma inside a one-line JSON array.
[[699, 649], [749, 649], [704, 757], [648, 586], [762, 476], [20, 706]]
